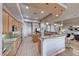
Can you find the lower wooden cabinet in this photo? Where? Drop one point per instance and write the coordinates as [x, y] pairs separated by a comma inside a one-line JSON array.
[[12, 50]]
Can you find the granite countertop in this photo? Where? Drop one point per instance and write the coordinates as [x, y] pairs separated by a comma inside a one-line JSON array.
[[51, 36]]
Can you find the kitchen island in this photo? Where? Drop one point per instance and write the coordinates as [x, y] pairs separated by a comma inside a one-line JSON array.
[[52, 45]]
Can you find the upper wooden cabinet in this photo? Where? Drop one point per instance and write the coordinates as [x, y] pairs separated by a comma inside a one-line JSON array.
[[8, 22], [5, 22], [19, 26]]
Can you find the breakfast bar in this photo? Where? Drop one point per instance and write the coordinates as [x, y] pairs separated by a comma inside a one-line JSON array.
[[53, 45]]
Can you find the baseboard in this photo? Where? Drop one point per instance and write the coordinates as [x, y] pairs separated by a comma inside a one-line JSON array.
[[58, 52]]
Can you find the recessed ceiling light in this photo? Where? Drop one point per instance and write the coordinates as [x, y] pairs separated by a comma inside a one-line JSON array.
[[57, 15], [27, 7], [55, 24], [47, 23], [61, 25], [42, 12]]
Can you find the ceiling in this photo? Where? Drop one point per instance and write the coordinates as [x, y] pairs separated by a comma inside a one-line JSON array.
[[34, 11], [47, 12], [71, 22], [12, 8], [71, 12]]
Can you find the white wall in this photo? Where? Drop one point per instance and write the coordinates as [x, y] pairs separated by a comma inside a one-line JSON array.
[[43, 26], [26, 29], [0, 29], [48, 27], [35, 25], [52, 28]]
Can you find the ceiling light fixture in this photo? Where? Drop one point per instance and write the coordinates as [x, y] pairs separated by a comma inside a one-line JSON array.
[[61, 25], [42, 12], [57, 15], [27, 7], [47, 23], [55, 24]]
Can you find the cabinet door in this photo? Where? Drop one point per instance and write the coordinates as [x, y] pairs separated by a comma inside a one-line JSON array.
[[10, 23], [15, 24], [5, 22], [19, 26]]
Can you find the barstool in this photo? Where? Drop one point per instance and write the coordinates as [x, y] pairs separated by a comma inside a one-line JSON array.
[[69, 38]]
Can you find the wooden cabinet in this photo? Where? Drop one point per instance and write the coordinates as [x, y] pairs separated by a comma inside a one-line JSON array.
[[11, 51], [19, 26], [8, 22], [5, 22], [15, 24], [36, 39]]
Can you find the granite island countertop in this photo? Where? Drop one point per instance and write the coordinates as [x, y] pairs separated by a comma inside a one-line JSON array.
[[52, 36]]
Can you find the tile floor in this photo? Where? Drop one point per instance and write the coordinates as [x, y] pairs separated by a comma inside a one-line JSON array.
[[27, 48]]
